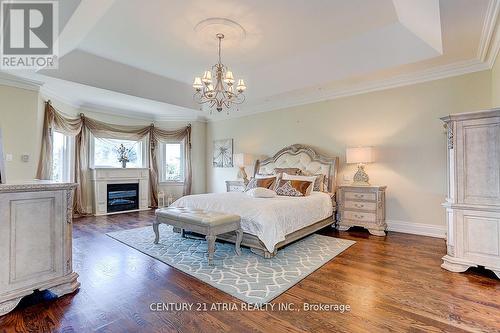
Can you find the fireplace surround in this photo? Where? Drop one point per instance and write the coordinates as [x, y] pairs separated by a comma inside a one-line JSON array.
[[117, 190]]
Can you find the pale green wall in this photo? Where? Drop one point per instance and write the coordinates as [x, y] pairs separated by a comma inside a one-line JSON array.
[[402, 124], [19, 117], [495, 83]]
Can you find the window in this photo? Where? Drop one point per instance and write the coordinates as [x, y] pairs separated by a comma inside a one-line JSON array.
[[62, 148], [106, 154], [172, 162]]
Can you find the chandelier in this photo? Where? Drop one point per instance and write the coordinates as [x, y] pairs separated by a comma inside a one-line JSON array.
[[221, 93]]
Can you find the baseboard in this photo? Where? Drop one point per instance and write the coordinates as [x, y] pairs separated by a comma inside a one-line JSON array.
[[421, 229]]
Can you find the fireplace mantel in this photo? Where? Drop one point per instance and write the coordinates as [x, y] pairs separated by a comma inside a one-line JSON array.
[[101, 177]]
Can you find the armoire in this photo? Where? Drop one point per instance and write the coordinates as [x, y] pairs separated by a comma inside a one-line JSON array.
[[473, 199]]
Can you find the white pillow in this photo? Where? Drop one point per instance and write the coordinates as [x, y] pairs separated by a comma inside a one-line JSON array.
[[311, 179], [259, 176], [295, 177], [260, 192]]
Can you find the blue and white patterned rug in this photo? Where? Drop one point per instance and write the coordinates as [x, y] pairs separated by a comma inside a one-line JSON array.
[[248, 277]]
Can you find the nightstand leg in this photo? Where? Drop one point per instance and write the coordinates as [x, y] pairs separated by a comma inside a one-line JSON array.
[[377, 232]]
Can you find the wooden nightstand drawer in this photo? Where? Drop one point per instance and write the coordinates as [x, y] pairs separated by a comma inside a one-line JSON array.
[[359, 216], [366, 205], [360, 196]]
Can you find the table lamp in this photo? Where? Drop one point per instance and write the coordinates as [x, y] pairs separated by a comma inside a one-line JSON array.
[[360, 155], [241, 160]]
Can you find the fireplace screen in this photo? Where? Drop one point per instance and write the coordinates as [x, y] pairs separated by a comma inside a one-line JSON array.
[[122, 197]]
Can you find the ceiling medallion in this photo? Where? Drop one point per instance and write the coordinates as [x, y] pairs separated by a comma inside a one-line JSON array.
[[219, 92]]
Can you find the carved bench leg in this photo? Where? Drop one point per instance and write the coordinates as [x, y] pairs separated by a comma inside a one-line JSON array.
[[237, 245], [157, 232], [211, 248]]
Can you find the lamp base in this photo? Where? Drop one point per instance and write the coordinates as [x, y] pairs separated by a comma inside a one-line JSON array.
[[360, 177], [243, 175]]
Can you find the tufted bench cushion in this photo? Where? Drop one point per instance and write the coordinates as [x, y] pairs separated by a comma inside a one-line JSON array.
[[205, 222], [201, 217]]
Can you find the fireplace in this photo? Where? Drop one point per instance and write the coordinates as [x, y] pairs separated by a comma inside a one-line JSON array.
[[122, 197]]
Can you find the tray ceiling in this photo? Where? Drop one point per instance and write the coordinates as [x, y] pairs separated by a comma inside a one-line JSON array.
[[291, 51]]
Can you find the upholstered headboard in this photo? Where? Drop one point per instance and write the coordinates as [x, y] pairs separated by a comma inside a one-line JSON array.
[[304, 158]]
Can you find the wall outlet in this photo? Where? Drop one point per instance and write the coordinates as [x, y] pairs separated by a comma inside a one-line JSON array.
[[347, 177], [8, 157], [25, 158]]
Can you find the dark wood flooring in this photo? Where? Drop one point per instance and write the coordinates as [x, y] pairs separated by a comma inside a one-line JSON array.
[[392, 284]]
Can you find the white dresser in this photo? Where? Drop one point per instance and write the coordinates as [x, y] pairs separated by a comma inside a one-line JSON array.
[[473, 199], [35, 240]]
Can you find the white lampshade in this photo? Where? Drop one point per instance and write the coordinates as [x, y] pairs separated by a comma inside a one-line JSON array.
[[197, 83], [229, 77], [241, 85], [359, 155], [207, 77], [242, 159]]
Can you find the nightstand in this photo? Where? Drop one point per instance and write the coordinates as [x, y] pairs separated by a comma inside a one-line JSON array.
[[235, 186], [362, 206]]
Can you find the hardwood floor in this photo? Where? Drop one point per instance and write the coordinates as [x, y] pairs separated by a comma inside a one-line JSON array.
[[391, 284]]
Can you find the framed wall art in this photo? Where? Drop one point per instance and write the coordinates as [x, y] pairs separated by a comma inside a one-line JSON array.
[[223, 153]]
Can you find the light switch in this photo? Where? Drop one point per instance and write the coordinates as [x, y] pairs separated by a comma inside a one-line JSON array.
[[8, 157]]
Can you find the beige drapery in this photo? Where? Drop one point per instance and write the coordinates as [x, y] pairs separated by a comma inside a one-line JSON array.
[[82, 127]]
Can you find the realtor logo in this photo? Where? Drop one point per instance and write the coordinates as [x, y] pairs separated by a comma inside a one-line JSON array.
[[29, 34]]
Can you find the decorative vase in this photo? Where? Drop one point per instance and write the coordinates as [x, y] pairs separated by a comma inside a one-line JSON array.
[[124, 164]]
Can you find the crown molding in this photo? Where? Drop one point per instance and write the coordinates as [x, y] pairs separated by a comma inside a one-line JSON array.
[[48, 93], [19, 82], [488, 32], [179, 113], [320, 94], [494, 42]]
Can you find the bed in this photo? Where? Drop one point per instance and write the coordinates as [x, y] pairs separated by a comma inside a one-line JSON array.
[[271, 223]]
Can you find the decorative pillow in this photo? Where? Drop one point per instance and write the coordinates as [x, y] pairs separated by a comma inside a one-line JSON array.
[[260, 192], [311, 179], [320, 184], [267, 182], [293, 188], [290, 171]]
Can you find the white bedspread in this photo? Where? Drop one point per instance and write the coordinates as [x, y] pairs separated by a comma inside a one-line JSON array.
[[270, 219]]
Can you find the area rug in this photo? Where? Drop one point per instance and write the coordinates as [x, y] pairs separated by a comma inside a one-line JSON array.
[[248, 277]]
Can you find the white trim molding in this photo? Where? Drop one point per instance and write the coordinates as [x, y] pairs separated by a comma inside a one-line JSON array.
[[19, 82], [421, 229], [488, 32]]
